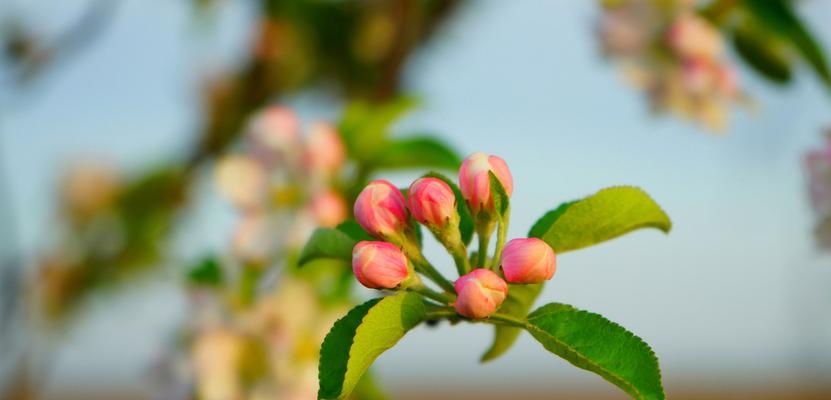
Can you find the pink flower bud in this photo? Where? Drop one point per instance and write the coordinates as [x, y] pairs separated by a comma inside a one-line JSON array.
[[475, 182], [380, 209], [480, 292], [379, 265], [431, 202], [329, 208], [325, 152], [528, 260]]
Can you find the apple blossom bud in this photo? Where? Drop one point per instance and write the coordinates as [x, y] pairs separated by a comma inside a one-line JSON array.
[[432, 202], [480, 292], [329, 208], [325, 152], [475, 183], [380, 209], [379, 265], [242, 180], [528, 260]]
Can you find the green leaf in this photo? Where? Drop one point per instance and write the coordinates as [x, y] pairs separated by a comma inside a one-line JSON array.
[[501, 200], [357, 339], [605, 215], [327, 243], [542, 224], [591, 342], [365, 127], [465, 220], [416, 152], [764, 54], [354, 230], [779, 16], [519, 301], [368, 389], [207, 272]]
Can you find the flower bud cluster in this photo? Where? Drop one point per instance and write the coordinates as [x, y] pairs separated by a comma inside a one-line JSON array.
[[394, 261], [672, 54]]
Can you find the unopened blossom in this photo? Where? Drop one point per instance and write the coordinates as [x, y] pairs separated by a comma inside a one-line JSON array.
[[474, 180], [480, 293], [528, 260], [432, 202], [379, 265], [242, 180], [380, 209]]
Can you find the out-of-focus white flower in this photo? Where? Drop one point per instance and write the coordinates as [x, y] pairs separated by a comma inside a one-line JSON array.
[[674, 55], [89, 187], [817, 165], [329, 208], [242, 180], [275, 131], [254, 239], [691, 36], [216, 358], [620, 34], [325, 151]]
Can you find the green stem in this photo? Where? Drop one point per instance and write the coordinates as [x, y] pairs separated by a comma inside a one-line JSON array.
[[431, 294], [460, 258], [422, 265], [501, 235], [495, 319], [451, 238], [484, 239], [443, 312], [434, 275], [507, 319]]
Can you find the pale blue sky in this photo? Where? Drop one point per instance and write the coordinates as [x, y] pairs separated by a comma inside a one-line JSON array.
[[720, 299]]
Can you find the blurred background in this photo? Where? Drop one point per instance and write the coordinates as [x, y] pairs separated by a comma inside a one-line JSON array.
[[149, 95]]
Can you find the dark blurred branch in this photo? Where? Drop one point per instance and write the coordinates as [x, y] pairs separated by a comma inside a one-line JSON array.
[[413, 27], [33, 57]]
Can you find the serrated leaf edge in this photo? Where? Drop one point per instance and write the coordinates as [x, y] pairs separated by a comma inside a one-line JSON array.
[[651, 352]]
